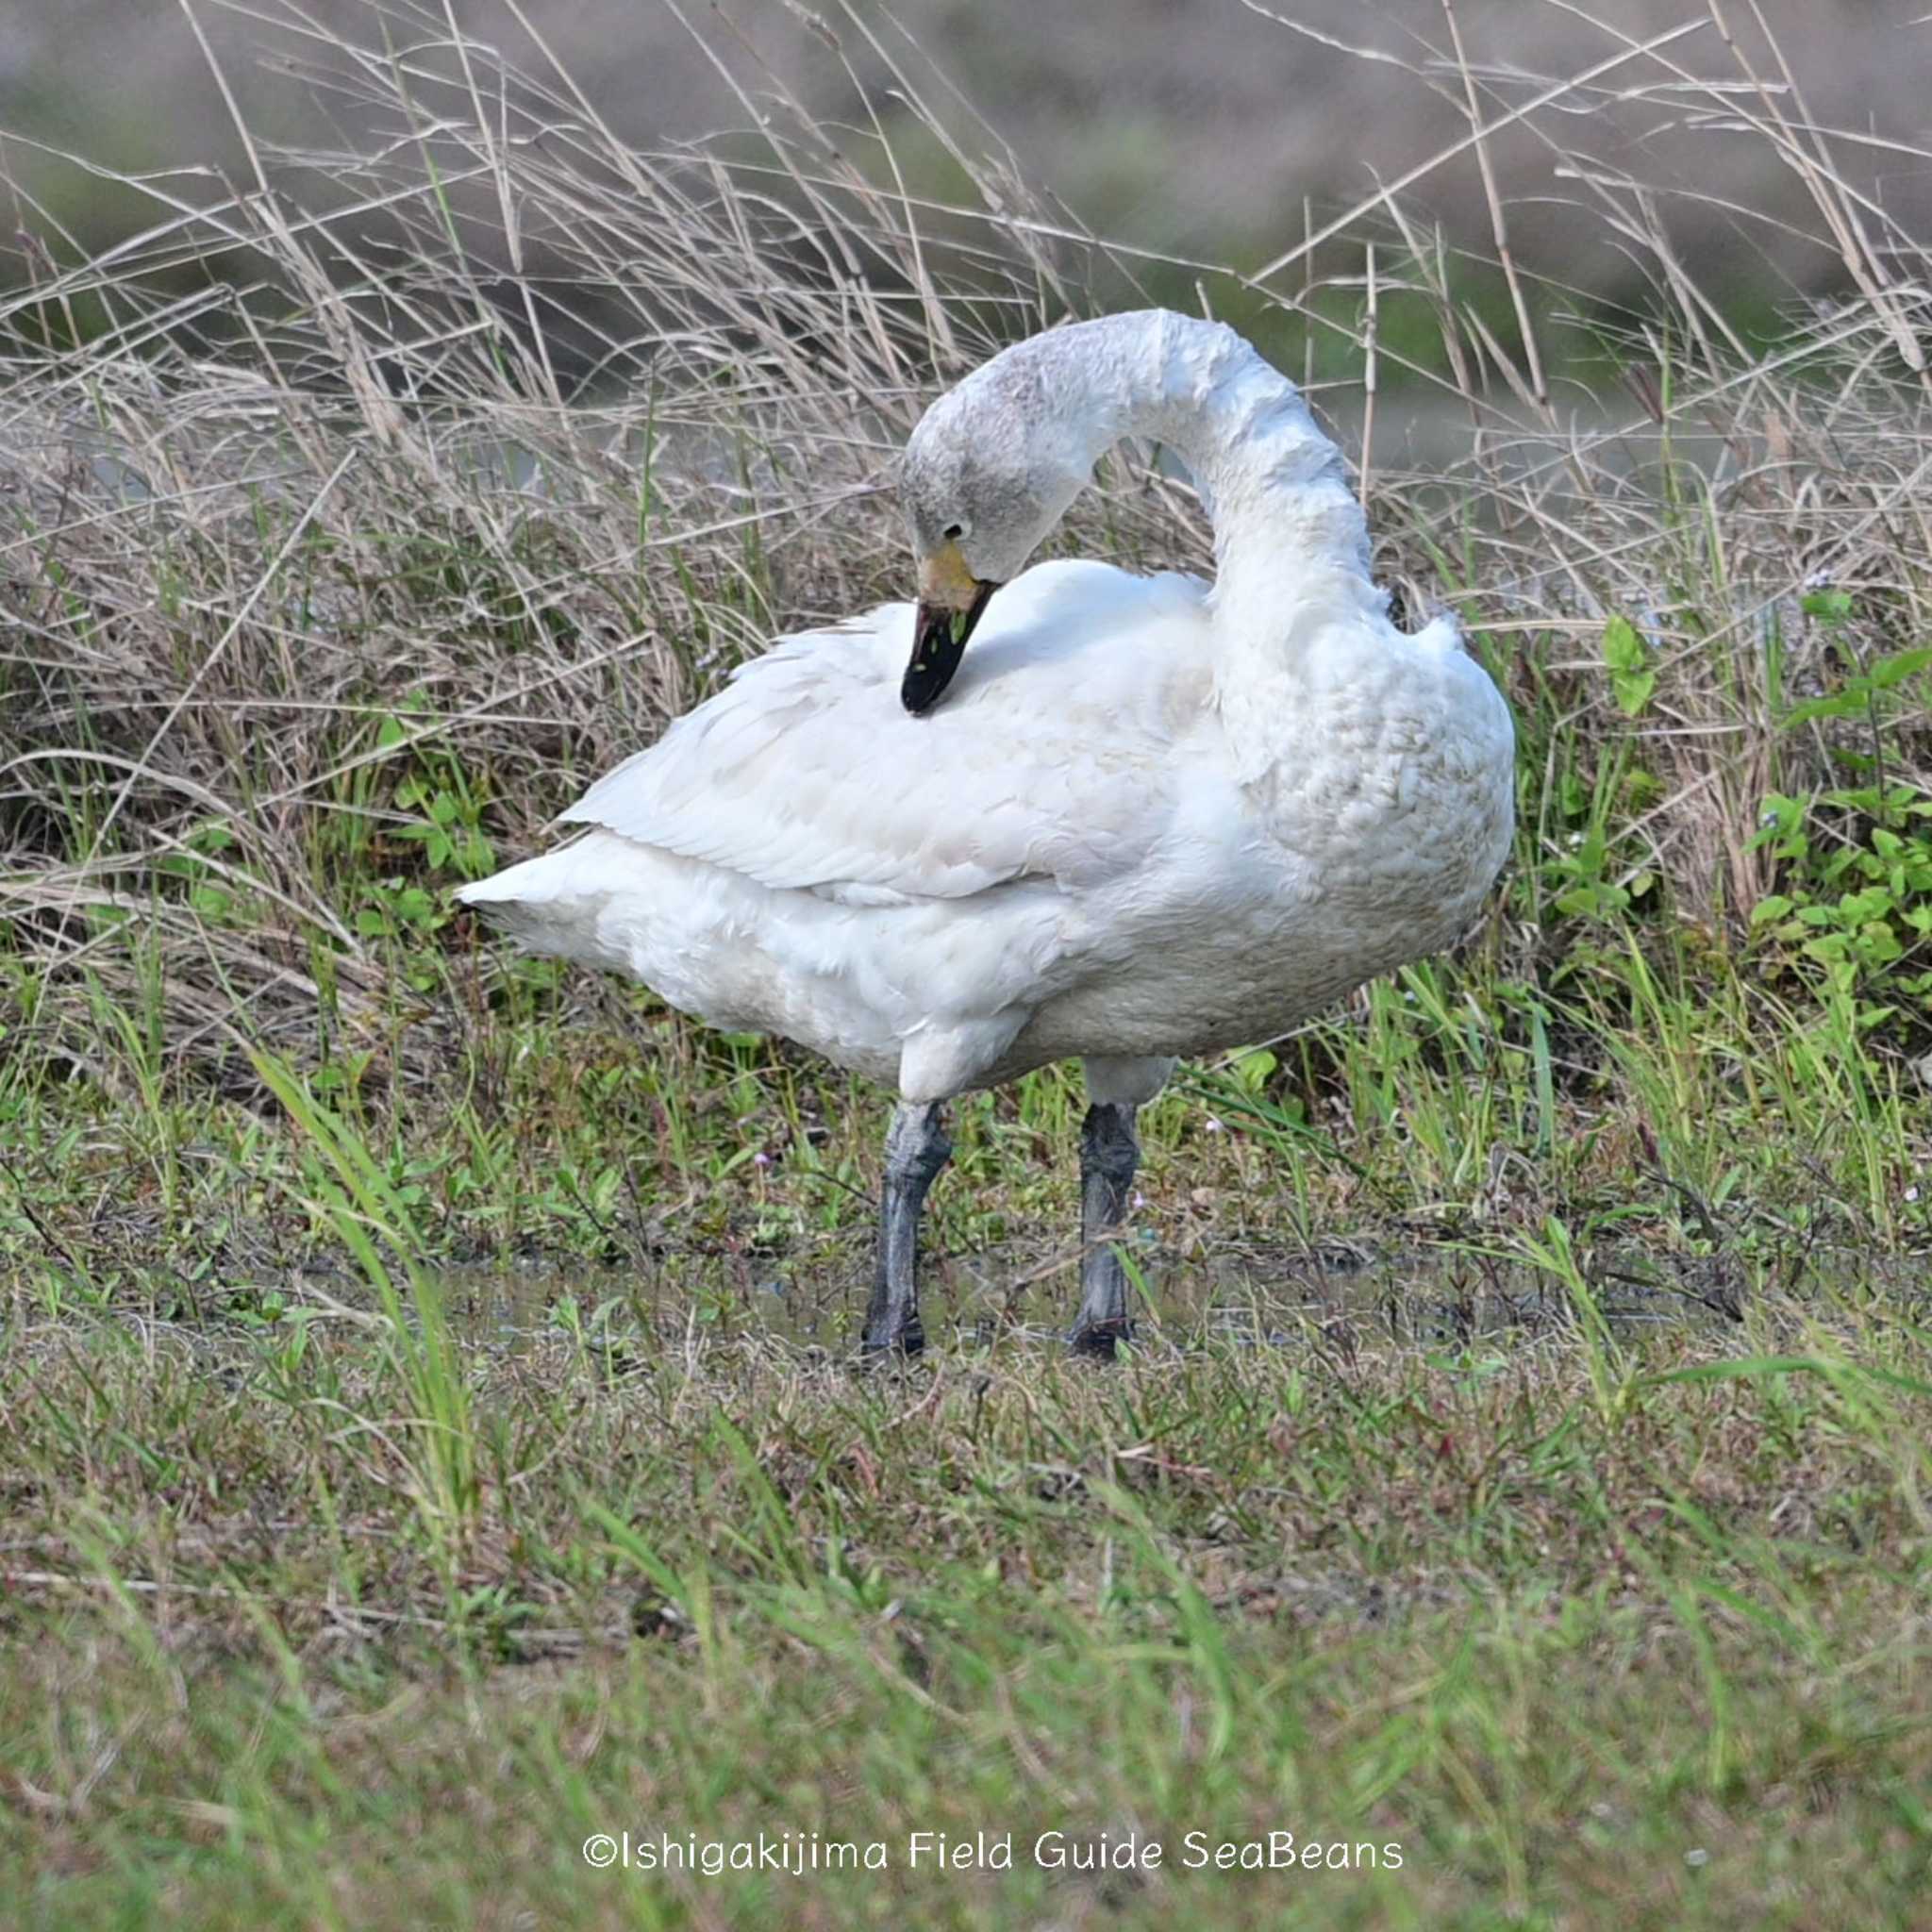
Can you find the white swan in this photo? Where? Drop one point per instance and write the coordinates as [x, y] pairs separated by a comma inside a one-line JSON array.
[[1151, 819]]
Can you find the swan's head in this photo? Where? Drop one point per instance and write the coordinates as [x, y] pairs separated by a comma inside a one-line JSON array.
[[989, 471]]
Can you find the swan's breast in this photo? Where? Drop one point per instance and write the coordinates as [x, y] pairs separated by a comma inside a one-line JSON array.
[[1397, 794]]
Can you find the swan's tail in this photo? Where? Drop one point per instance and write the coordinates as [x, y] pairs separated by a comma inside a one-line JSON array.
[[553, 902]]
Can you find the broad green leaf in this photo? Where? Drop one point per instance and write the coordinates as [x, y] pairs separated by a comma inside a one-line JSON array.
[[1887, 672], [1624, 657]]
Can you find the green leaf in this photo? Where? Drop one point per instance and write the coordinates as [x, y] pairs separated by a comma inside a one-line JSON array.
[[1593, 902], [1633, 691], [1845, 704], [1624, 657], [1884, 673], [1623, 648], [1749, 1368], [1879, 945], [1832, 606], [1253, 1069]]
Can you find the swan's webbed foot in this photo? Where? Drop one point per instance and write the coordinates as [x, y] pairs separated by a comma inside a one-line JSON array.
[[916, 1149], [1109, 1153], [1100, 1340]]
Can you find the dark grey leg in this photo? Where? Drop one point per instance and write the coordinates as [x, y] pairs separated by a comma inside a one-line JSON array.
[[916, 1149], [1109, 1153]]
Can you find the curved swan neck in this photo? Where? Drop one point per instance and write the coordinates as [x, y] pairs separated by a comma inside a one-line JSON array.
[[1274, 485]]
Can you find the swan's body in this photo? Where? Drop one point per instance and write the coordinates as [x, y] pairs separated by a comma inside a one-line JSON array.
[[1150, 819], [1062, 862]]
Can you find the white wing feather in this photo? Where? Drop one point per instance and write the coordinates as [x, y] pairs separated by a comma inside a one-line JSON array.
[[1050, 755]]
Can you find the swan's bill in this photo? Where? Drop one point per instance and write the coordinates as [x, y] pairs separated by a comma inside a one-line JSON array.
[[951, 599]]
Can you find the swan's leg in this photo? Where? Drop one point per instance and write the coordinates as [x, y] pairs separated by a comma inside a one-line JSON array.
[[1109, 1153], [916, 1149]]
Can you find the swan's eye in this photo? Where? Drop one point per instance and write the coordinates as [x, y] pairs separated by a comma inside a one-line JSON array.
[[954, 532]]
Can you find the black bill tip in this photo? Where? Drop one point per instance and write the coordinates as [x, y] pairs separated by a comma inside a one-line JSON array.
[[939, 642]]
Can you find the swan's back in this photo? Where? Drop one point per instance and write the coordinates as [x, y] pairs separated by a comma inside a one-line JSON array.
[[1054, 755]]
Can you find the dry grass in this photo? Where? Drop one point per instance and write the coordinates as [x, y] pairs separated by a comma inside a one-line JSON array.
[[360, 469]]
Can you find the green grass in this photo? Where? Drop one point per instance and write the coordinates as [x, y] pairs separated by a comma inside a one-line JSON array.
[[1596, 1633], [428, 1435], [354, 1575]]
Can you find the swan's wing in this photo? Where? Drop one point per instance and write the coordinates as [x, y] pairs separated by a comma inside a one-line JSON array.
[[1051, 756]]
